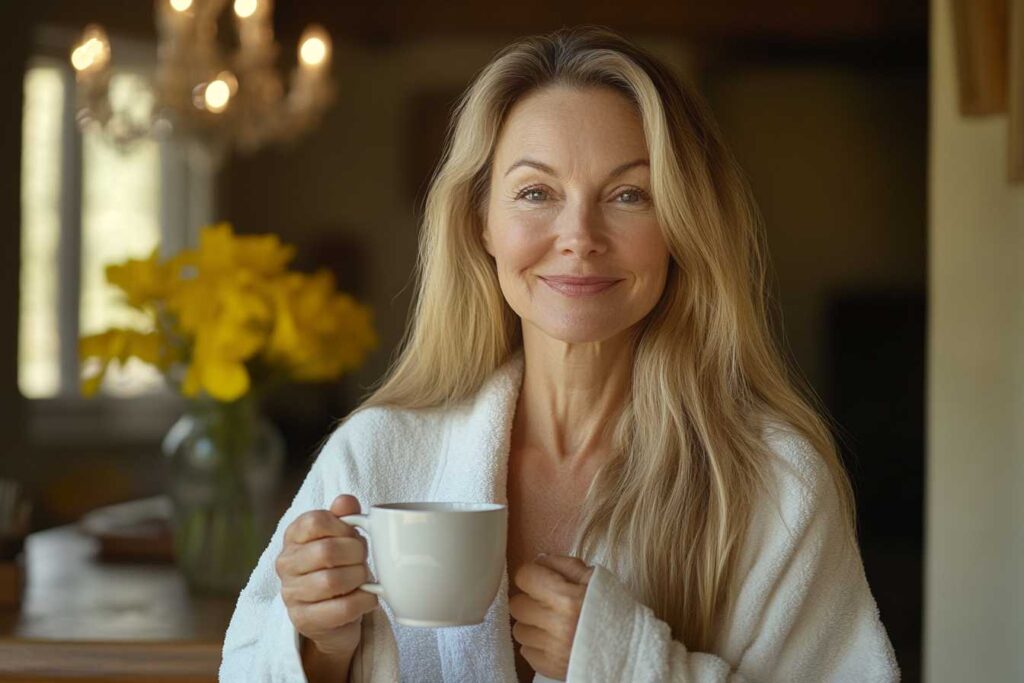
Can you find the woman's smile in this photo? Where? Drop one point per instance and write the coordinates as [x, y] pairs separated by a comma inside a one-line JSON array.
[[577, 287]]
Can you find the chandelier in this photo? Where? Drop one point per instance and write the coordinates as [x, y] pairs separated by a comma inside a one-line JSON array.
[[200, 94]]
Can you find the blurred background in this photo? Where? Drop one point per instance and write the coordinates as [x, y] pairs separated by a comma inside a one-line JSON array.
[[896, 235]]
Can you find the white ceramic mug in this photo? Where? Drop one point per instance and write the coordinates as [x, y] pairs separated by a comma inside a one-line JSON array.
[[437, 564]]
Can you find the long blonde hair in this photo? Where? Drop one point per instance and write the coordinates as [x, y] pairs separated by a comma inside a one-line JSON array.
[[690, 461]]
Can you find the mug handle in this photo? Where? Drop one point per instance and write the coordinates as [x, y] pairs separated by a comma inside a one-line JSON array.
[[363, 522]]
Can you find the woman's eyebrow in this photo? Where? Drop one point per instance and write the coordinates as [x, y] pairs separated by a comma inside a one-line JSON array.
[[618, 170]]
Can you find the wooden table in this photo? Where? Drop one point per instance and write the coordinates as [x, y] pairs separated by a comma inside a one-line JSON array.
[[82, 619]]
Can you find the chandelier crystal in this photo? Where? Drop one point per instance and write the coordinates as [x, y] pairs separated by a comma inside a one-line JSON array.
[[200, 93]]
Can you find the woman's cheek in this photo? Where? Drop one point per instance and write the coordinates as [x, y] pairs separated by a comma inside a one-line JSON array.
[[523, 256], [524, 236]]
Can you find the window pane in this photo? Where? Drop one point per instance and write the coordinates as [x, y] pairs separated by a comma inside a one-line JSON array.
[[120, 220], [38, 344]]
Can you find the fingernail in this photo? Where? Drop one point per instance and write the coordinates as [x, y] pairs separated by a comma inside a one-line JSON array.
[[540, 555]]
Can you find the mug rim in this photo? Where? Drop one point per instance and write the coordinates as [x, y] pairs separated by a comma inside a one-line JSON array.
[[440, 507]]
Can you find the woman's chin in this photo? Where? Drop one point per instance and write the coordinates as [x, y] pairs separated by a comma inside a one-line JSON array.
[[579, 333]]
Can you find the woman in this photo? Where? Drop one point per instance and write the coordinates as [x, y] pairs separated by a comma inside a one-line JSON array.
[[590, 345]]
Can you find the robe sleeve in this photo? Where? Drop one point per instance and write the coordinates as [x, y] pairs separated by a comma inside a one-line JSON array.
[[804, 611]]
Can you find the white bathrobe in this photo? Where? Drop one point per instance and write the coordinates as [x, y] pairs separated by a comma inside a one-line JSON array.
[[803, 611]]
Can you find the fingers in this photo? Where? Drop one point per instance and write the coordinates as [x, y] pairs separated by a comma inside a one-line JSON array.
[[543, 662], [572, 568], [344, 505], [324, 553], [333, 613], [547, 586], [324, 584], [531, 636], [314, 524], [526, 610]]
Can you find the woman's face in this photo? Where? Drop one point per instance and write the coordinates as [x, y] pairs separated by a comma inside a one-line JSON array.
[[570, 199]]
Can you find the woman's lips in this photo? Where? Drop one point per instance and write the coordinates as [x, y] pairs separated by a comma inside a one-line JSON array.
[[579, 286]]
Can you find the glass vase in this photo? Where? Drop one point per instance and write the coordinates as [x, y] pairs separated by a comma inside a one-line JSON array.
[[224, 462]]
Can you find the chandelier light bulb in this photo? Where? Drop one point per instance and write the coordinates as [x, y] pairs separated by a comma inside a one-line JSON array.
[[216, 95], [315, 46], [93, 52], [313, 51], [246, 8], [181, 5], [82, 58]]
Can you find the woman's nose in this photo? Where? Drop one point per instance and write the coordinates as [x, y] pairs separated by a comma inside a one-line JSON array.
[[580, 230]]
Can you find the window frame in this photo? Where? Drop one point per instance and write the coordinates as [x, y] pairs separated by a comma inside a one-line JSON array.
[[186, 203]]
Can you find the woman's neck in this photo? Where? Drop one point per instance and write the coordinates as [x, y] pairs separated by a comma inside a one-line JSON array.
[[571, 395]]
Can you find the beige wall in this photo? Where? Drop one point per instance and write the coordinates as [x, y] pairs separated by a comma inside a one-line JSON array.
[[974, 578]]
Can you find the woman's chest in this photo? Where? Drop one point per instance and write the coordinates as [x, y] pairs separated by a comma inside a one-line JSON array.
[[544, 505], [545, 500]]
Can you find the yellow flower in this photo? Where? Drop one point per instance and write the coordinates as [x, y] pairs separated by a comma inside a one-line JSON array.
[[227, 309], [318, 332], [142, 280], [97, 351], [220, 251], [230, 320], [223, 378]]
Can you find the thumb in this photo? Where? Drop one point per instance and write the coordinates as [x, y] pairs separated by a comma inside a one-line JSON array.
[[345, 504], [572, 568]]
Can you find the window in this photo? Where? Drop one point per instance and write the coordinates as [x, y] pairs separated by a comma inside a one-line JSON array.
[[86, 204], [38, 342]]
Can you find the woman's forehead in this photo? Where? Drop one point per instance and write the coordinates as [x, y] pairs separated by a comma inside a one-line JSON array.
[[598, 127]]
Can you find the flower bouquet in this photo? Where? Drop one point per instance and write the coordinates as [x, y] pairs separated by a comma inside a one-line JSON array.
[[228, 322]]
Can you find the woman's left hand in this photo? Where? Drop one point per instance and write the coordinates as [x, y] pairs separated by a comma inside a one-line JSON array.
[[548, 610]]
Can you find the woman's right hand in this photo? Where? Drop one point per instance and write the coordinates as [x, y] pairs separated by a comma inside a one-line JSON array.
[[321, 566]]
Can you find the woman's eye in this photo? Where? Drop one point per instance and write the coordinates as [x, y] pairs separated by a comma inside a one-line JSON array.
[[638, 196], [526, 194], [538, 194]]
